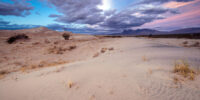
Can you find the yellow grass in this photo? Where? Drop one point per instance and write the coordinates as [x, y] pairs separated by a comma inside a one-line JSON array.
[[183, 68], [144, 58], [70, 84]]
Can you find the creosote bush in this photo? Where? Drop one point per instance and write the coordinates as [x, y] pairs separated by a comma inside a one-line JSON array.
[[13, 39], [66, 36]]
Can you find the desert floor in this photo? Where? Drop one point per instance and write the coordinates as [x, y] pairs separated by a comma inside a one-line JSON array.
[[125, 68]]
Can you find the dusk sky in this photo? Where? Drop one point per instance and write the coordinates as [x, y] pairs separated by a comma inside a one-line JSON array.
[[99, 16]]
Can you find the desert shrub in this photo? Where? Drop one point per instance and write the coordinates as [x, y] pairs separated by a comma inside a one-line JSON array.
[[66, 36], [12, 39], [60, 50], [47, 41], [72, 47], [185, 42], [3, 72], [196, 44], [111, 48], [183, 69], [103, 50], [96, 55]]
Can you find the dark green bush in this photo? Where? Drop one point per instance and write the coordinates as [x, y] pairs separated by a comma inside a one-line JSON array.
[[12, 39], [66, 36]]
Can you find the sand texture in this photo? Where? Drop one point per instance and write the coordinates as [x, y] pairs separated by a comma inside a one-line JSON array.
[[125, 68]]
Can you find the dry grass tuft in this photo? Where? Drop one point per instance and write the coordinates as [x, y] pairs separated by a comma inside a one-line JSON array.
[[185, 42], [96, 55], [196, 44], [70, 84], [72, 47], [36, 43], [47, 41], [144, 58], [3, 73], [150, 71], [176, 80], [111, 48], [60, 50], [183, 68], [103, 50]]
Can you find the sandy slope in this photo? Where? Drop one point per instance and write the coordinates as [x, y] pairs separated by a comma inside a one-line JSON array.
[[137, 69]]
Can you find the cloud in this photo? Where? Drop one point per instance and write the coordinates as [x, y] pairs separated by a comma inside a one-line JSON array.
[[162, 1], [18, 8], [87, 12], [75, 29], [5, 25], [136, 16], [2, 22], [76, 11]]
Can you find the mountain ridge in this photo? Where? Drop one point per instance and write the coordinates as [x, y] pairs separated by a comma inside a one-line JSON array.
[[146, 31]]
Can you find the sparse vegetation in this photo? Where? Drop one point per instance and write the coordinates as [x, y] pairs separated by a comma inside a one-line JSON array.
[[66, 36], [35, 43], [47, 41], [144, 58], [175, 79], [70, 84], [196, 44], [185, 42], [13, 39], [111, 48], [103, 50], [72, 47], [150, 71], [183, 68], [96, 55], [60, 50], [3, 73]]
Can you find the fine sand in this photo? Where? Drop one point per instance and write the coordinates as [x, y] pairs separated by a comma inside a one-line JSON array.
[[127, 68]]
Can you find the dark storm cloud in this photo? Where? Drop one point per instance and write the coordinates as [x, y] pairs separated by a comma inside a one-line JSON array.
[[18, 8], [87, 12], [163, 1], [158, 11], [134, 17], [76, 11], [126, 20]]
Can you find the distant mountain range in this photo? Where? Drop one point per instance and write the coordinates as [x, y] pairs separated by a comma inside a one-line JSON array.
[[156, 32]]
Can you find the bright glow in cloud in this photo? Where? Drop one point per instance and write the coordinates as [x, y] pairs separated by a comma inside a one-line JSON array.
[[106, 5]]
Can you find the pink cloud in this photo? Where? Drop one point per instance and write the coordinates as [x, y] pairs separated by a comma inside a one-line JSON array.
[[189, 17]]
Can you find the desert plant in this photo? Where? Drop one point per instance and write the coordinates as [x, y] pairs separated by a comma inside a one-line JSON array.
[[196, 44], [72, 47], [96, 55], [70, 83], [183, 69], [111, 48], [66, 36], [103, 50], [185, 42], [60, 50], [12, 39]]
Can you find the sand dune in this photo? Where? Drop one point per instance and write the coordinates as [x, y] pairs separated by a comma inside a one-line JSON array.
[[135, 69]]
